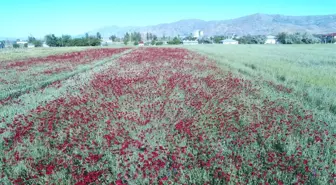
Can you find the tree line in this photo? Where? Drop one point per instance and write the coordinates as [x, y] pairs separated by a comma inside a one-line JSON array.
[[136, 37], [282, 38], [152, 39], [66, 40], [297, 38]]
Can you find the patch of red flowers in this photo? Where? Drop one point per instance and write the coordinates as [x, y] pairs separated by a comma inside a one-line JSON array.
[[168, 116]]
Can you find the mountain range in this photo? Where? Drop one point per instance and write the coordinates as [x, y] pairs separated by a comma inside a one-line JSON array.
[[256, 24]]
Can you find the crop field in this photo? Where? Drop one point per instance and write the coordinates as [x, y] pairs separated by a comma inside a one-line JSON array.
[[17, 54], [305, 72], [164, 115]]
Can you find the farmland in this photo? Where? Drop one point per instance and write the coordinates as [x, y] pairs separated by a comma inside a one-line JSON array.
[[195, 115], [306, 71]]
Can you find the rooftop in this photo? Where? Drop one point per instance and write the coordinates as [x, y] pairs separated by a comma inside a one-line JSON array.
[[331, 34], [229, 40]]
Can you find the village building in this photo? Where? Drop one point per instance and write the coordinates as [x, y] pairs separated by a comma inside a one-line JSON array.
[[45, 45], [106, 42], [333, 35], [21, 42], [141, 43], [270, 40], [190, 42], [198, 34], [229, 41]]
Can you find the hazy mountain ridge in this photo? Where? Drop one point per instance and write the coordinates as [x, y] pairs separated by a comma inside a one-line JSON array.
[[255, 24]]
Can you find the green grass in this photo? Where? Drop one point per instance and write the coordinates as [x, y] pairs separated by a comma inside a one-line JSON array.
[[305, 64], [307, 69]]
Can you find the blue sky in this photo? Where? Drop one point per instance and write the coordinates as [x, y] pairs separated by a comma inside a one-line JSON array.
[[20, 18]]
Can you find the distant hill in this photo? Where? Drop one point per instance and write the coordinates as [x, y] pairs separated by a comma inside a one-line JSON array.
[[255, 24]]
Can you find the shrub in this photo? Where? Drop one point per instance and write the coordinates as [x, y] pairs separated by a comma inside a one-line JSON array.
[[153, 42], [249, 39], [25, 45], [16, 45], [159, 43], [297, 38], [175, 41], [37, 43]]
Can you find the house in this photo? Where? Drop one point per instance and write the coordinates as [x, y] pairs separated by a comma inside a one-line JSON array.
[[327, 38], [45, 45], [106, 42], [190, 42], [141, 43], [270, 40], [229, 41], [198, 34], [22, 43], [333, 35], [31, 46]]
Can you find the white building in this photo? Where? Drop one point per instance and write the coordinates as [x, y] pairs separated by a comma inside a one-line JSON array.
[[31, 46], [201, 33], [45, 45], [198, 34], [190, 42], [106, 42], [21, 42], [229, 41], [270, 40]]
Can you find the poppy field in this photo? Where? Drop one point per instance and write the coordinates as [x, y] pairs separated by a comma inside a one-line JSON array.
[[158, 116], [21, 76]]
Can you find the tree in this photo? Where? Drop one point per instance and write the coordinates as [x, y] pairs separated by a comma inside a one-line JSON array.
[[126, 38], [136, 36], [159, 43], [2, 44], [164, 37], [16, 45], [34, 41], [94, 41], [175, 41], [52, 40], [255, 39], [297, 38], [31, 39], [113, 38], [37, 43], [99, 36], [155, 38], [218, 38], [282, 38], [147, 36], [66, 40]]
